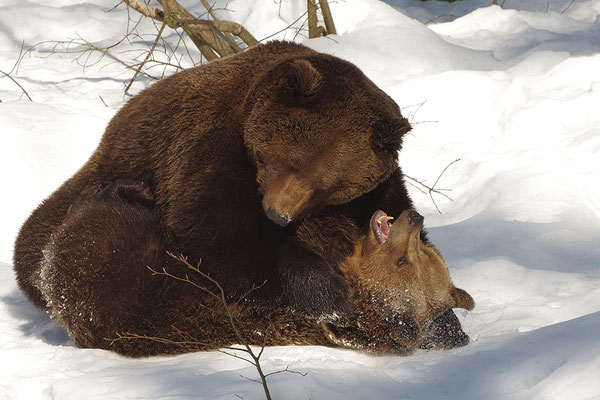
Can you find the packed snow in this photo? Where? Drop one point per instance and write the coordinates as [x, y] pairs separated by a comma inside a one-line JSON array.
[[511, 92]]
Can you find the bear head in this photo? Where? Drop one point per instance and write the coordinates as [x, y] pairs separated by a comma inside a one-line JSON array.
[[399, 285], [319, 132]]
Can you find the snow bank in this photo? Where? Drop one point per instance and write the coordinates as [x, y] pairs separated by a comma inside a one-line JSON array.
[[512, 93]]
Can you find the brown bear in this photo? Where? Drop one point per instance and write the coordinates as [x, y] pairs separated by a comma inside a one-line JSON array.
[[400, 285], [96, 283], [247, 159]]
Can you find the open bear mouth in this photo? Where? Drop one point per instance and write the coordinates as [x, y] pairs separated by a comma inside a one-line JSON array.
[[381, 225]]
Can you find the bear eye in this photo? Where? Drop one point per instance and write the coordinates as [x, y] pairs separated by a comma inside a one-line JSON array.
[[258, 157], [402, 261]]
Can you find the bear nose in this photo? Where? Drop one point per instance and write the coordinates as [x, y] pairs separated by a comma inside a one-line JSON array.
[[281, 220], [414, 218]]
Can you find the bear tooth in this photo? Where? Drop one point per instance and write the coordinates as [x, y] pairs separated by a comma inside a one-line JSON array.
[[387, 219]]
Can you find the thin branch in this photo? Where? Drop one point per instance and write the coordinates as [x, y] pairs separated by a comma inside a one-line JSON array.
[[252, 289], [286, 28], [179, 343], [232, 320], [250, 379], [570, 4], [18, 57], [88, 46], [186, 279], [158, 35], [238, 357], [300, 29], [440, 16], [287, 369], [444, 170], [411, 115], [432, 189], [16, 83]]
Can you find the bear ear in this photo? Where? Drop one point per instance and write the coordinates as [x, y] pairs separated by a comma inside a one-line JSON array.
[[87, 194], [387, 135], [131, 192], [300, 82], [462, 299]]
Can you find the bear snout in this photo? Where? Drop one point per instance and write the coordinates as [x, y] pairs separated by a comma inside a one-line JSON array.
[[286, 197], [414, 218], [279, 219]]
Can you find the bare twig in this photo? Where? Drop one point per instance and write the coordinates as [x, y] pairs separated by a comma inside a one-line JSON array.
[[568, 6], [300, 29], [247, 349], [411, 114], [285, 29], [185, 279], [15, 65], [16, 83], [432, 189], [191, 342], [413, 109], [135, 336], [84, 49], [438, 17], [158, 35], [287, 369]]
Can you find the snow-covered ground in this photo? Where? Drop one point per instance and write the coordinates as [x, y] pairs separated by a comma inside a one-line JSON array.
[[513, 93]]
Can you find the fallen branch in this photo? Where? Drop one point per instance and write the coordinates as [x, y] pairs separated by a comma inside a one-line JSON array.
[[210, 37]]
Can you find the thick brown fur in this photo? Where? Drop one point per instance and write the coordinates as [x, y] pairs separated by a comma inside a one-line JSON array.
[[278, 135], [95, 282]]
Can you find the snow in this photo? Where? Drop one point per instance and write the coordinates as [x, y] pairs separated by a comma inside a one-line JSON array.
[[511, 92]]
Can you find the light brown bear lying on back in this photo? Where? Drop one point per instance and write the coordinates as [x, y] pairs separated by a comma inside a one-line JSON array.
[[98, 286], [399, 284]]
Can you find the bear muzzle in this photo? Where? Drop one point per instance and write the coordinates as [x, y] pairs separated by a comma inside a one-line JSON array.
[[285, 199], [279, 219]]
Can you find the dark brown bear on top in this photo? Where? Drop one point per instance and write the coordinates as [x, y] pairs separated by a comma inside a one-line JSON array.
[[96, 284], [237, 153]]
